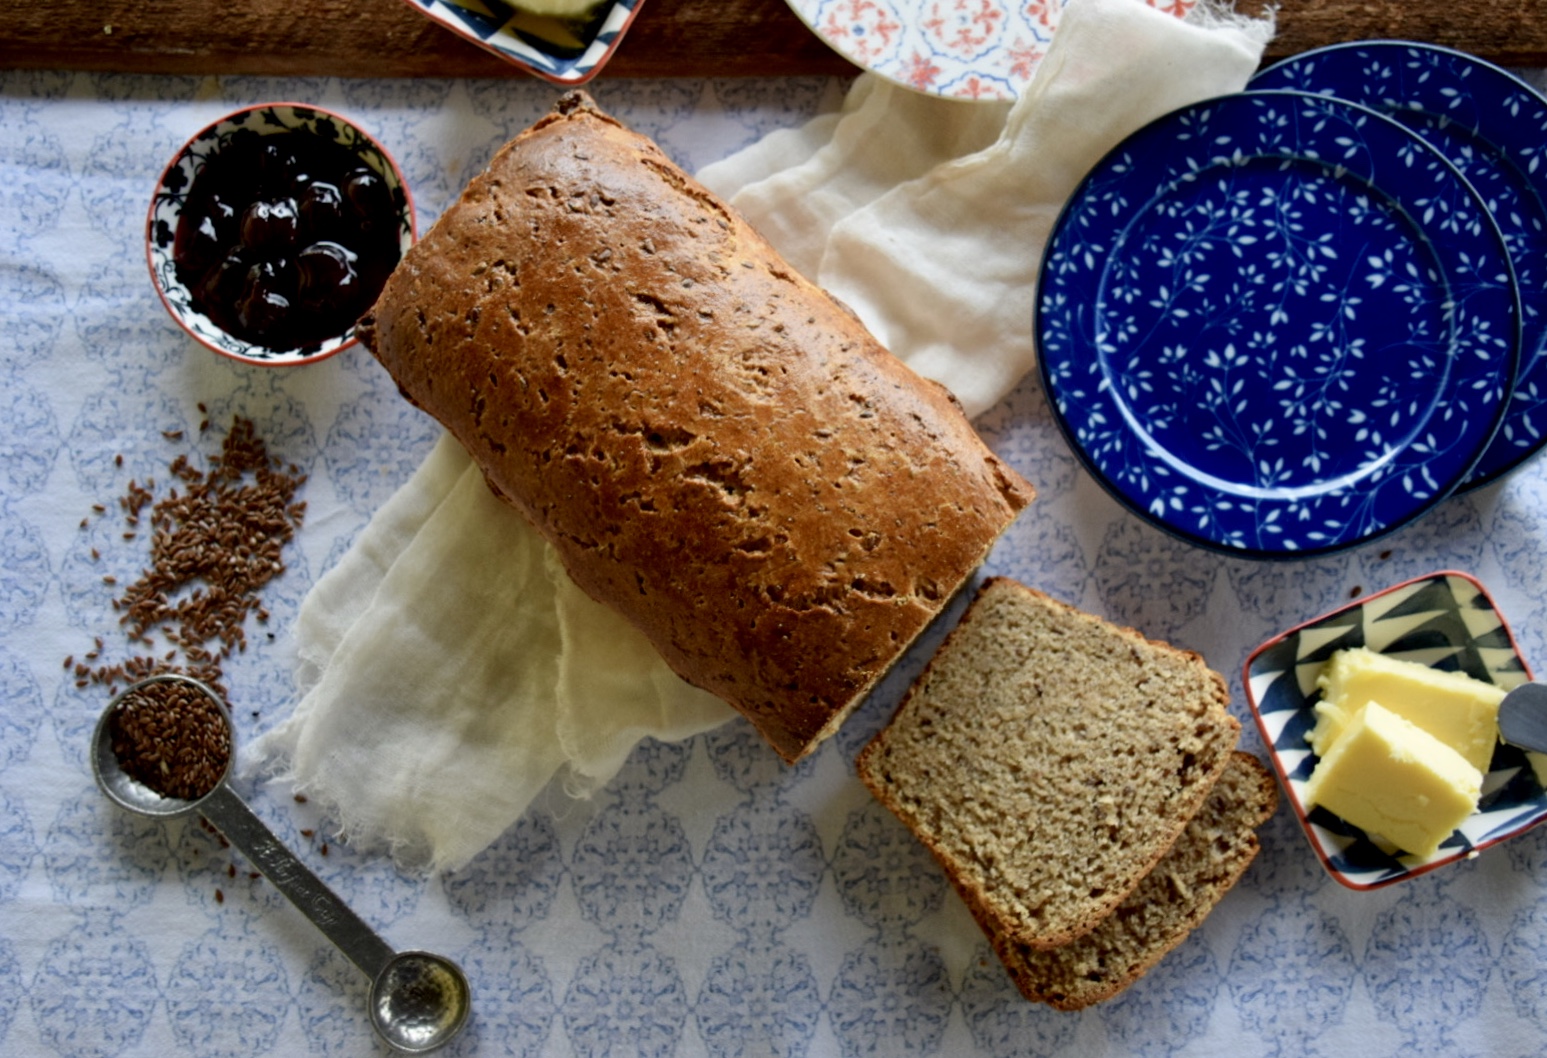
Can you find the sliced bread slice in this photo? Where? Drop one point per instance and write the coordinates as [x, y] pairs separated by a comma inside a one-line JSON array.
[[1172, 900], [1049, 758]]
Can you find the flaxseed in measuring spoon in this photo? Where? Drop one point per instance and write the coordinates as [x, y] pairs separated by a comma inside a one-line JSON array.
[[164, 747]]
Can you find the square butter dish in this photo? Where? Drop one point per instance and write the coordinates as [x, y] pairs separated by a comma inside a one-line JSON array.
[[563, 51], [1445, 620]]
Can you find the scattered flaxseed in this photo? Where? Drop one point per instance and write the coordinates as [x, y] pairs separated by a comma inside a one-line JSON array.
[[214, 832], [216, 539], [220, 897]]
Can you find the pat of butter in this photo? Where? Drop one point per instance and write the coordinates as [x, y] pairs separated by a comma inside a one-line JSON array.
[[1461, 712], [1388, 776], [557, 8]]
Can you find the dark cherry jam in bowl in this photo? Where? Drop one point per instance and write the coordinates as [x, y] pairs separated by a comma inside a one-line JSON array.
[[272, 231]]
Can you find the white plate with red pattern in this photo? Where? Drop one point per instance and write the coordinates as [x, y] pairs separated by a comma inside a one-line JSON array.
[[963, 49]]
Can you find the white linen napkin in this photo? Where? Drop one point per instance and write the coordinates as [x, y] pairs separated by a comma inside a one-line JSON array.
[[931, 228], [449, 669]]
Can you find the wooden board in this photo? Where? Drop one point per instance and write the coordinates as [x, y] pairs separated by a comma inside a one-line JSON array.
[[669, 38]]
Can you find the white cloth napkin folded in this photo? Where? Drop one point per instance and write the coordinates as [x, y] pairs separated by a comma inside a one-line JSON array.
[[449, 669], [928, 216]]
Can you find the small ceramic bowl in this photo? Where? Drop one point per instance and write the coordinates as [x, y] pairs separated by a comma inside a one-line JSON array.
[[563, 51], [1445, 620], [175, 190]]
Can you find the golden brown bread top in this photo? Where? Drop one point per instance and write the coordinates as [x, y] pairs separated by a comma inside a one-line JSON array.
[[713, 445]]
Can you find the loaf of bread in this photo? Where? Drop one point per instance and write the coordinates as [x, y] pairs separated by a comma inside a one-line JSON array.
[[713, 445], [1049, 759], [1175, 897]]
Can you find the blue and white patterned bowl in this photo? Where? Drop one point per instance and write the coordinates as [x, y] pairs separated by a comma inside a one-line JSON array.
[[172, 192], [516, 37], [1446, 620]]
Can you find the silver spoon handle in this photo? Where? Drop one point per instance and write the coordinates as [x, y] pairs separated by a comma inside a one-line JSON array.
[[231, 816], [1523, 717]]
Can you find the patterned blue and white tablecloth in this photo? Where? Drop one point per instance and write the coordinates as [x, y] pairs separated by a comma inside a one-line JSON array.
[[710, 901]]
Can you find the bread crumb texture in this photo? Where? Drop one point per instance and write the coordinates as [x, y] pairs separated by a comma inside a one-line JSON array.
[[1049, 759], [1213, 852], [714, 446]]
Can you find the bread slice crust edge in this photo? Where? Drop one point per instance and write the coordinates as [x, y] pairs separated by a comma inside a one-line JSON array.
[[1007, 895]]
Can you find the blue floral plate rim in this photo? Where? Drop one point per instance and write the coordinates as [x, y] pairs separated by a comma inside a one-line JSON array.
[[1472, 353], [1446, 619], [1502, 121], [488, 24]]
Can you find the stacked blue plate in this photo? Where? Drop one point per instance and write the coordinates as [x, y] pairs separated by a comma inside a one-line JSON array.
[[1289, 321]]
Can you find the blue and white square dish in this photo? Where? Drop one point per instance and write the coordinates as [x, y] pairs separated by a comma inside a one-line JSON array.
[[1445, 620], [538, 44]]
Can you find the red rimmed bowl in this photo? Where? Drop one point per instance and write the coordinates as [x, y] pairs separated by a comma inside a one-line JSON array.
[[563, 50], [1446, 620], [272, 229]]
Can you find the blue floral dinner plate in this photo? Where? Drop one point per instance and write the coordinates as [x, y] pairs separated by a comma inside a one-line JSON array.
[[1493, 127], [1277, 324]]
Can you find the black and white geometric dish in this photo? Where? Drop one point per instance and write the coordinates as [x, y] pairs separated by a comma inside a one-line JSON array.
[[1445, 620], [563, 51]]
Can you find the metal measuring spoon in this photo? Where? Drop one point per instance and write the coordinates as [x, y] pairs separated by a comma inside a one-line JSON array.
[[1523, 717], [418, 1000]]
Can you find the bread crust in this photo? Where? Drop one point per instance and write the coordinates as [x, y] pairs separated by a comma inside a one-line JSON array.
[[714, 446]]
